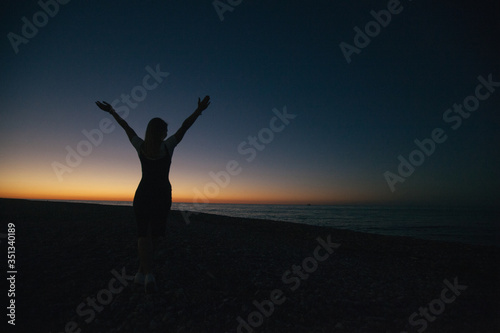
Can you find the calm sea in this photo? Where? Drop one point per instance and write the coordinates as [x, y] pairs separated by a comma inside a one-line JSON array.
[[466, 225]]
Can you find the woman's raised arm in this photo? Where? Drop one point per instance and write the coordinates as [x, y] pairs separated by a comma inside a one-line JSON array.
[[191, 119], [108, 108]]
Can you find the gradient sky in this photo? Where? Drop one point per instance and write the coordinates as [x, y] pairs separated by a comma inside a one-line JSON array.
[[352, 120]]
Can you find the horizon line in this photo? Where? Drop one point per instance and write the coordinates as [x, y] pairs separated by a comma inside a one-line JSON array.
[[399, 204]]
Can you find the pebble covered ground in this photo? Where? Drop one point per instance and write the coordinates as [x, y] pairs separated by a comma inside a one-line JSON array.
[[220, 274]]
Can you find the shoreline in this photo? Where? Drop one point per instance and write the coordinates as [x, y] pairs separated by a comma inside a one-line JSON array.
[[218, 269], [365, 204], [481, 237]]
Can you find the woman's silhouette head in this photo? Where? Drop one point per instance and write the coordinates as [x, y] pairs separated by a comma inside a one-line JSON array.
[[156, 132]]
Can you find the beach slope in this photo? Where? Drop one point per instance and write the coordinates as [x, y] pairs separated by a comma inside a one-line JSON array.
[[219, 274]]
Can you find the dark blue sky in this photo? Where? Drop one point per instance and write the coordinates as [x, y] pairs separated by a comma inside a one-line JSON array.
[[352, 120]]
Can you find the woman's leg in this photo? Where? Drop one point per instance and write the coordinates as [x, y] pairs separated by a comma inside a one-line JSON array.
[[145, 247]]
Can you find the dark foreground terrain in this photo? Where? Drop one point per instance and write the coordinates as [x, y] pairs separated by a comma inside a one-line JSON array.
[[75, 263]]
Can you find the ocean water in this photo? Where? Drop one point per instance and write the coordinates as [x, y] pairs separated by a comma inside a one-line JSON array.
[[458, 224]]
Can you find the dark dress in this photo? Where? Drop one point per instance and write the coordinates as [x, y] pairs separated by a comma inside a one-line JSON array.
[[153, 197]]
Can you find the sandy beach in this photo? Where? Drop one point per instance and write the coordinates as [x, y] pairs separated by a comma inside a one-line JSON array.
[[219, 274]]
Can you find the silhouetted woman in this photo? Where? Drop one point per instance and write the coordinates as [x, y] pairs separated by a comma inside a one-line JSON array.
[[153, 196]]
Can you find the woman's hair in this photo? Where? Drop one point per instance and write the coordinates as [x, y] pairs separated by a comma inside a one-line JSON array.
[[155, 133]]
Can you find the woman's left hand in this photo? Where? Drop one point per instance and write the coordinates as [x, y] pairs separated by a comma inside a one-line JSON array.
[[203, 104]]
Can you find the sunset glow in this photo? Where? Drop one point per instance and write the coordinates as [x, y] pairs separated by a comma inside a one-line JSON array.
[[301, 120]]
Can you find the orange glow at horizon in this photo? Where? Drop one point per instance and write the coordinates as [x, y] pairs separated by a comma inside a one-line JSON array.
[[117, 182], [120, 187], [185, 197], [125, 192]]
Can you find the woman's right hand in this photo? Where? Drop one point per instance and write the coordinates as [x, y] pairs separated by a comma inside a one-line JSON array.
[[104, 106]]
